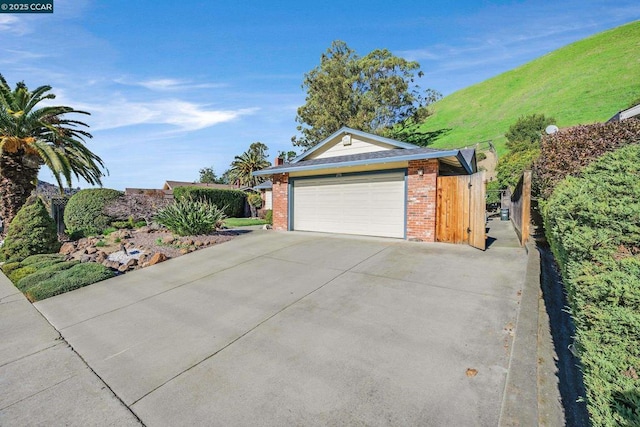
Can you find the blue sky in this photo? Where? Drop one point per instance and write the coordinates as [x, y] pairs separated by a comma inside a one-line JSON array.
[[175, 86]]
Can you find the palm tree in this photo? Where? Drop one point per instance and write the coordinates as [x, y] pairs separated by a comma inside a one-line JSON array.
[[243, 165], [31, 137]]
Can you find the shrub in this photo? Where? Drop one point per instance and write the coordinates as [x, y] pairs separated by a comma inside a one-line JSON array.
[[16, 275], [187, 217], [592, 223], [8, 267], [230, 201], [85, 212], [568, 151], [35, 259], [43, 274], [527, 130], [268, 216], [77, 276], [133, 209], [32, 231]]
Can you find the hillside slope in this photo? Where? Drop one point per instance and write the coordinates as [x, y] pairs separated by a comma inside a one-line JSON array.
[[585, 82]]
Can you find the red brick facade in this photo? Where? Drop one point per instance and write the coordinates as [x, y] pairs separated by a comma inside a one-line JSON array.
[[421, 200], [280, 201]]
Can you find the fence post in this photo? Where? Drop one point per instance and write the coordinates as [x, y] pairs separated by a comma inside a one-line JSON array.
[[526, 206]]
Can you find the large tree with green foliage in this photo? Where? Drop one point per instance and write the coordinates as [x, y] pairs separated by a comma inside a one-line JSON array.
[[208, 176], [31, 137], [243, 166], [373, 93]]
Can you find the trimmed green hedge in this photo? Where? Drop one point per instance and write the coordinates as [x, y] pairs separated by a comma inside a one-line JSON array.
[[592, 223], [77, 276], [230, 201], [85, 211], [43, 274]]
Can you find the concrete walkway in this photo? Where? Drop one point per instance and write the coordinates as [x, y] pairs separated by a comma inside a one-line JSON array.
[[278, 329]]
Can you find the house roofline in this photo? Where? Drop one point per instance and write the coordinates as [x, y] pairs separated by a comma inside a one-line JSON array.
[[346, 130], [419, 156]]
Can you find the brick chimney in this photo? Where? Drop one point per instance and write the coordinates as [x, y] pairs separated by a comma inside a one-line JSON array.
[[279, 161]]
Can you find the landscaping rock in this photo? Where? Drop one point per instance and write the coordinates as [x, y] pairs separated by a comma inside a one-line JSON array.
[[187, 242], [158, 257], [123, 268], [92, 250], [67, 248], [199, 243], [167, 240]]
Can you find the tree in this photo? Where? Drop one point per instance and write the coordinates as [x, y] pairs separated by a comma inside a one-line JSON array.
[[31, 137], [208, 176], [287, 156], [523, 141], [371, 93], [242, 167], [527, 130]]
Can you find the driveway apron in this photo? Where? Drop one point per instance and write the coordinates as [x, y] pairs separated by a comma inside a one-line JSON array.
[[288, 328]]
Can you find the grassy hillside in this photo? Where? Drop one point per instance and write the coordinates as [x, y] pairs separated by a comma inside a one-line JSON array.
[[585, 82]]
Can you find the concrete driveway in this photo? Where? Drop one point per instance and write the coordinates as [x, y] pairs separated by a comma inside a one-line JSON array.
[[305, 329]]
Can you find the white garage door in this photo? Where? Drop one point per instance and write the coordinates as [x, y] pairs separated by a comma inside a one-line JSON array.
[[369, 204]]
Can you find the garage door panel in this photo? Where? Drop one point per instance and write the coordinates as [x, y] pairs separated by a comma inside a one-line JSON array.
[[367, 204]]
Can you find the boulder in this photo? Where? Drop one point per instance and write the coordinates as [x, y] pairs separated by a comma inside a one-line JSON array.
[[101, 256], [92, 250], [167, 240], [67, 248], [158, 257], [123, 268]]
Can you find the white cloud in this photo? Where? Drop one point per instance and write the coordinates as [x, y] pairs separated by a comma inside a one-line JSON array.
[[170, 84], [184, 115]]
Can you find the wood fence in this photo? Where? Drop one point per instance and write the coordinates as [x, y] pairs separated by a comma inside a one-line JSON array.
[[521, 207]]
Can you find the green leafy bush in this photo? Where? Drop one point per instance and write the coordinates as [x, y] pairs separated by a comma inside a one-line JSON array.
[[230, 201], [592, 223], [187, 217], [32, 231], [85, 211], [8, 267], [43, 274], [18, 274], [567, 152], [268, 216], [77, 276], [36, 259]]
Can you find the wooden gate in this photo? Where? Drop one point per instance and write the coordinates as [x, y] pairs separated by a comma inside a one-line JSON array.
[[460, 210]]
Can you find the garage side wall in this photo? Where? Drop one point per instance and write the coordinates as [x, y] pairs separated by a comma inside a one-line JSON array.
[[421, 200], [280, 202]]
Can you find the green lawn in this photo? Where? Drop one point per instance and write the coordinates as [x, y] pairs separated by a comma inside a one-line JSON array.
[[243, 222], [585, 82]]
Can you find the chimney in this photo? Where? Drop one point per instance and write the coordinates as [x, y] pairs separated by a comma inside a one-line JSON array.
[[279, 161]]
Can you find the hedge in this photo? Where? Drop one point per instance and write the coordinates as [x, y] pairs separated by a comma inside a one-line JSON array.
[[592, 223], [85, 211], [77, 276], [232, 202], [567, 152]]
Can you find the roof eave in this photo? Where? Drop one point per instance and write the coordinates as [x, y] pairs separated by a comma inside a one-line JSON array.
[[420, 156]]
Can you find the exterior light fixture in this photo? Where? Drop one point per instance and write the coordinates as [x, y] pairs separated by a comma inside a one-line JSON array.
[[420, 171]]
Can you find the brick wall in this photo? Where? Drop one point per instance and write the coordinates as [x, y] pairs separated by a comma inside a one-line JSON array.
[[421, 200], [280, 201]]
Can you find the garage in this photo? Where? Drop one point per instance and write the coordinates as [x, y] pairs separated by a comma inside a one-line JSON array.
[[370, 204], [355, 182]]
